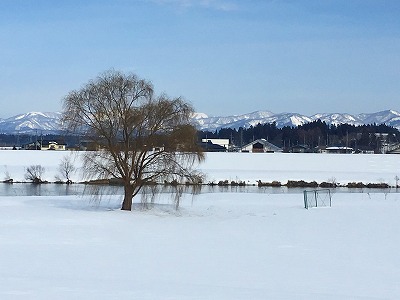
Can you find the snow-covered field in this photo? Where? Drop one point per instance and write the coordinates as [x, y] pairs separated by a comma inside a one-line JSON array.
[[249, 167], [217, 246]]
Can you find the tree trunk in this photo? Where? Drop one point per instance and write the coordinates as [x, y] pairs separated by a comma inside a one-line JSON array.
[[127, 203]]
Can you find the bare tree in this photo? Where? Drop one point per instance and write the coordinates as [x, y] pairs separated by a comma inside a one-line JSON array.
[[141, 138], [34, 173], [7, 176], [66, 168]]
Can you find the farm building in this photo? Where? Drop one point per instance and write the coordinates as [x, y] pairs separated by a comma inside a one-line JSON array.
[[260, 146], [208, 146], [339, 150], [44, 145], [300, 149], [221, 142]]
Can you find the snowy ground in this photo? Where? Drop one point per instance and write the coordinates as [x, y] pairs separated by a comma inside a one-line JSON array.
[[216, 246], [249, 167]]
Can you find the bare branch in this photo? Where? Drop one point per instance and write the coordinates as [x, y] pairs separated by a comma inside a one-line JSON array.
[[142, 138], [34, 173]]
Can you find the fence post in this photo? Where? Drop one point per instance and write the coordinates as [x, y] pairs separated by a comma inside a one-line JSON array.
[[316, 201], [330, 198]]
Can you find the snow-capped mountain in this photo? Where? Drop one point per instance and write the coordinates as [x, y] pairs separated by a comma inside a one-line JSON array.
[[388, 117], [49, 122], [337, 119], [45, 122], [203, 121]]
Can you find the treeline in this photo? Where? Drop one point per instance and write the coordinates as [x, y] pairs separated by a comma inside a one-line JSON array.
[[311, 135], [18, 140], [314, 134]]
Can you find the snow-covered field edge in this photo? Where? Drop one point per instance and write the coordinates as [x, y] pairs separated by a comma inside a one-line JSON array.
[[246, 167], [216, 246]]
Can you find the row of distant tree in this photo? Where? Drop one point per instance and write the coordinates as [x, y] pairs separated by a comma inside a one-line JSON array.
[[314, 134], [18, 140]]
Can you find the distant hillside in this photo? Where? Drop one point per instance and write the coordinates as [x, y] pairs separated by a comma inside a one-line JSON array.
[[389, 117], [49, 122], [43, 122]]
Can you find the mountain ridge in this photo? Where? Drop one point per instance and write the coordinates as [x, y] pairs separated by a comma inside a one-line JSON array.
[[49, 122], [388, 117]]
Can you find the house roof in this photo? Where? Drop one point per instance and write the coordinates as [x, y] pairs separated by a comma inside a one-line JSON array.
[[48, 142], [339, 148], [209, 146], [265, 143]]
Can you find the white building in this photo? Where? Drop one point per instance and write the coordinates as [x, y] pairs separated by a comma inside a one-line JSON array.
[[339, 150], [221, 142]]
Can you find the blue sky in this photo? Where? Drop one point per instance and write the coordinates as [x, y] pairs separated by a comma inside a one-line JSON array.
[[224, 56]]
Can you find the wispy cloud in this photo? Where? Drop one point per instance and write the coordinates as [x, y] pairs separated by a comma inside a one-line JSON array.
[[223, 5]]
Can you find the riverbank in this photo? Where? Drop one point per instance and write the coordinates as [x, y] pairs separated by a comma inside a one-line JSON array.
[[249, 168]]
